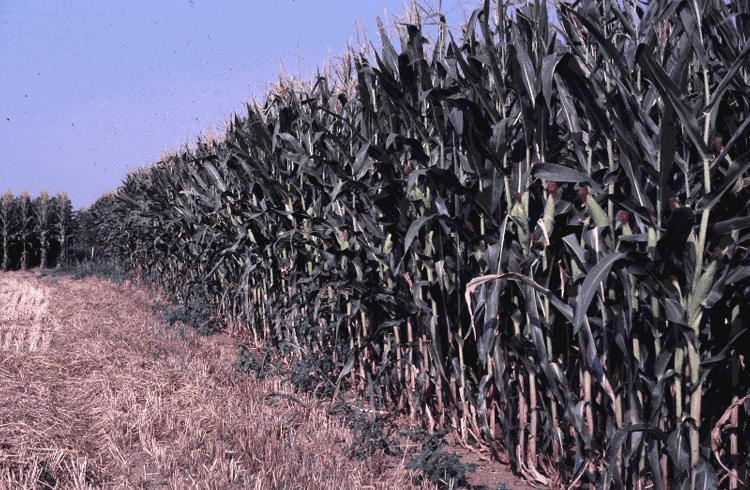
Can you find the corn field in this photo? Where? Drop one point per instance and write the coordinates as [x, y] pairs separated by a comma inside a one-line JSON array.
[[36, 232], [534, 233]]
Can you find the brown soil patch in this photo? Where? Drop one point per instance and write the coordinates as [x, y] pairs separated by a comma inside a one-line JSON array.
[[98, 393]]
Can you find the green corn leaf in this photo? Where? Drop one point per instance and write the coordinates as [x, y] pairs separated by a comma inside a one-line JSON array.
[[717, 94], [703, 287], [669, 90], [729, 180], [344, 371], [217, 177], [561, 173], [600, 217], [590, 285], [389, 53], [414, 228]]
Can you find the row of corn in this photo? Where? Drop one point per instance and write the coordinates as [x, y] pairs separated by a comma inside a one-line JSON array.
[[35, 232], [534, 233]]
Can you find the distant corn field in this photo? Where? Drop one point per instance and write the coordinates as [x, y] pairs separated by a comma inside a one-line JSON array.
[[35, 232], [535, 234]]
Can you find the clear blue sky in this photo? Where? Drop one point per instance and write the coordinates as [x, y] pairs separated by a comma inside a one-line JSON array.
[[90, 90]]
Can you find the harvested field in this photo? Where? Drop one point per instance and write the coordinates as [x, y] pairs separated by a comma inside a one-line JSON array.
[[98, 393], [24, 323]]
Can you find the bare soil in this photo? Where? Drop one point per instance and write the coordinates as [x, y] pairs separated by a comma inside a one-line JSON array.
[[97, 392]]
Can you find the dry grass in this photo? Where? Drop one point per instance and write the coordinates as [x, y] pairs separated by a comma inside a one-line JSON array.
[[24, 324], [98, 394]]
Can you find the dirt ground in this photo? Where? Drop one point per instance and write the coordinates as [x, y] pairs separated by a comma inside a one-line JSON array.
[[98, 393]]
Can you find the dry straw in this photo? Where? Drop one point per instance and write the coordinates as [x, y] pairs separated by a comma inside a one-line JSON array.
[[111, 398]]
